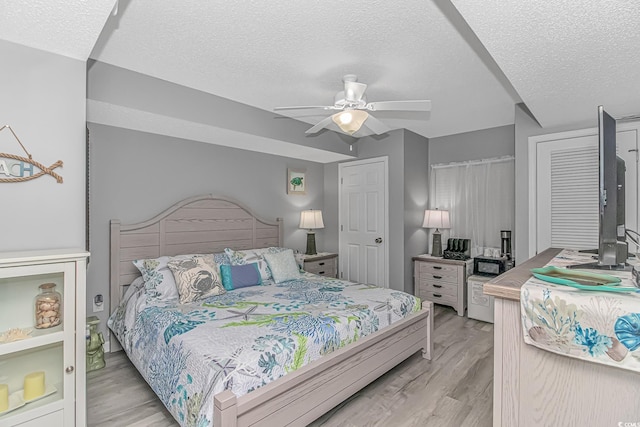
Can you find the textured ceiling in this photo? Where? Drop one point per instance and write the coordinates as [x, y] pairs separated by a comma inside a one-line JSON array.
[[564, 57], [474, 60], [276, 53], [65, 27]]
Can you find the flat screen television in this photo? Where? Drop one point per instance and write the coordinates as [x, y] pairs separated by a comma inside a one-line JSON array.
[[612, 245]]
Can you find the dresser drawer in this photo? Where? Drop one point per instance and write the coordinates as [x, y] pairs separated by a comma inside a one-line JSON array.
[[443, 272], [450, 289], [442, 281], [439, 298], [325, 267]]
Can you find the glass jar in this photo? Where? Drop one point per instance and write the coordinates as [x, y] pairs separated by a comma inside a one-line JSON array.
[[48, 306]]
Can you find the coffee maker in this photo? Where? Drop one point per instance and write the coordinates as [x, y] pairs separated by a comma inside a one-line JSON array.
[[505, 246]]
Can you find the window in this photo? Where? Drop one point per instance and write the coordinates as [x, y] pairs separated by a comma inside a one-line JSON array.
[[480, 198]]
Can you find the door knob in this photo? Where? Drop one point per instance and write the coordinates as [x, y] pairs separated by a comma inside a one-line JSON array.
[[379, 240], [69, 369]]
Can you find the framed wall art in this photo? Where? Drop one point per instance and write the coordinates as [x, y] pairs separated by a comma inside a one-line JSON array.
[[297, 181]]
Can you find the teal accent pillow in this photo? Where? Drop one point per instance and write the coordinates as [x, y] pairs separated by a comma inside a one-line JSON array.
[[283, 266], [248, 256], [240, 276]]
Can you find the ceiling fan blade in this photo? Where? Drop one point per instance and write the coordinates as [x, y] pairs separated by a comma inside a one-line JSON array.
[[376, 125], [307, 107], [417, 105], [320, 125], [354, 91]]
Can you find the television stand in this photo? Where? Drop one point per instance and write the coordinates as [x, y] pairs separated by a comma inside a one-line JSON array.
[[597, 266]]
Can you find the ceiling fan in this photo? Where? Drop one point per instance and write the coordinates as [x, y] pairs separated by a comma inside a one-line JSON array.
[[353, 111]]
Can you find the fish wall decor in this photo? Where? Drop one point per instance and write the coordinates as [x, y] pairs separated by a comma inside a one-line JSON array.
[[15, 168]]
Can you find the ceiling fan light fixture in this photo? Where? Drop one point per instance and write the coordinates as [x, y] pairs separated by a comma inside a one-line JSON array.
[[350, 121], [352, 110]]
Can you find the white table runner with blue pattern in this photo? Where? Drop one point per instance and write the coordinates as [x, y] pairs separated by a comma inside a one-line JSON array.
[[596, 326]]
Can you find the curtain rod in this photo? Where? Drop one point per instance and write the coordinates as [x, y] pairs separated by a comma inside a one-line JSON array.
[[473, 162]]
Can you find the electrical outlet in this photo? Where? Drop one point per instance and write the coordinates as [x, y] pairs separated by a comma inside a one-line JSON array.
[[98, 303]]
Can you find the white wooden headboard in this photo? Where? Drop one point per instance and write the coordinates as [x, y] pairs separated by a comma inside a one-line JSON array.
[[201, 224]]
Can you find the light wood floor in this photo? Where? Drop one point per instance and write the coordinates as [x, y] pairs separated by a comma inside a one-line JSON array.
[[453, 389]]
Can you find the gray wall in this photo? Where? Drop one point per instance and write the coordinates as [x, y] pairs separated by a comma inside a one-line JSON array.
[[525, 127], [42, 98], [136, 175], [126, 88], [408, 173], [330, 212], [392, 146], [416, 196], [481, 144]]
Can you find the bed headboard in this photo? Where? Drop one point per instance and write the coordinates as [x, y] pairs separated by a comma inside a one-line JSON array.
[[201, 224]]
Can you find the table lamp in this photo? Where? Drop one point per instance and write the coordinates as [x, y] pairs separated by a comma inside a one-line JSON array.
[[311, 219], [434, 218]]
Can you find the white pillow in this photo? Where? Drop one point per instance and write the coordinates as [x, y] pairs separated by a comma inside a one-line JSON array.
[[158, 279], [283, 266], [248, 256], [159, 282], [137, 284]]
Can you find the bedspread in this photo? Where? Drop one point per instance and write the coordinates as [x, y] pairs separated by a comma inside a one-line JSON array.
[[246, 338]]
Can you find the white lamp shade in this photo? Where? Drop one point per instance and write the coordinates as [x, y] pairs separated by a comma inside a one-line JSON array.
[[436, 219], [311, 219], [350, 121]]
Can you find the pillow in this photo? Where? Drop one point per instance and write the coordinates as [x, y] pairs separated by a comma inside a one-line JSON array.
[[221, 258], [240, 276], [196, 278], [158, 280], [250, 256], [137, 284], [283, 266]]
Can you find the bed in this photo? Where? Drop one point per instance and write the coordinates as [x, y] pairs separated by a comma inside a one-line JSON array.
[[263, 396]]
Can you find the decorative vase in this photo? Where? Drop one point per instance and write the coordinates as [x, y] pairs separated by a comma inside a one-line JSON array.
[[48, 307], [95, 340]]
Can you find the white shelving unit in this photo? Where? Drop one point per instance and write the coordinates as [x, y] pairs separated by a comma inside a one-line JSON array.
[[58, 351]]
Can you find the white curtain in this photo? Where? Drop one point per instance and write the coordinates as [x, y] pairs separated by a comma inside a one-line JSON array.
[[480, 198]]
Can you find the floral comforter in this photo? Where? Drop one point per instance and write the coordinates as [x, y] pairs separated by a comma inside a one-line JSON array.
[[246, 338]]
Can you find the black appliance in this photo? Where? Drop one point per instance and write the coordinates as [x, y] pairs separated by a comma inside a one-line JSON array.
[[505, 246], [491, 266], [459, 249]]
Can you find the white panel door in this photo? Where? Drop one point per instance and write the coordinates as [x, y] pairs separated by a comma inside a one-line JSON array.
[[363, 221], [567, 189]]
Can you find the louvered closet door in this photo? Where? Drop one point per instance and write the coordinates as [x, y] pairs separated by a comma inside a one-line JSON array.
[[567, 190]]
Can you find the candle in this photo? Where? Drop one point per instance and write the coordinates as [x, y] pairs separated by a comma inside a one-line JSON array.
[[33, 385], [4, 397]]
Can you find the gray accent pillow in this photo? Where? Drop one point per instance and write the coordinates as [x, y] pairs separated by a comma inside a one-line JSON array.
[[196, 278]]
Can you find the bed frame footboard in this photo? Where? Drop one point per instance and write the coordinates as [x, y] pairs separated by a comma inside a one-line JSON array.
[[302, 396]]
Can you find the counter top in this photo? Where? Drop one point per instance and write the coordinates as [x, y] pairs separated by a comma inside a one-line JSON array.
[[427, 257], [319, 256], [508, 284]]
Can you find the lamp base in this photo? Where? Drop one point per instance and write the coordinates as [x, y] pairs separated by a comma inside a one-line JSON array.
[[311, 243], [436, 248]]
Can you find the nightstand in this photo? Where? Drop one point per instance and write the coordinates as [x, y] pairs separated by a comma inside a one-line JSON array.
[[443, 281], [323, 264]]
